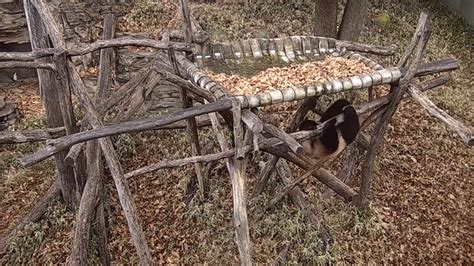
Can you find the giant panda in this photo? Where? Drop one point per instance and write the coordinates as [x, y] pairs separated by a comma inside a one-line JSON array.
[[334, 137]]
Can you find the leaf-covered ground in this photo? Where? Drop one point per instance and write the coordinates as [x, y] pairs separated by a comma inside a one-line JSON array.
[[421, 208]]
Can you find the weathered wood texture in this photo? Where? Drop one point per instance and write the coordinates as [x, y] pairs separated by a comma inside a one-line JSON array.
[[80, 246], [56, 145], [463, 131], [124, 194], [288, 187], [239, 195], [20, 64], [32, 135], [107, 56], [49, 89], [302, 110], [123, 190]]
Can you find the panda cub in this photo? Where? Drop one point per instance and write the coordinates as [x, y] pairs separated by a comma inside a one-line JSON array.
[[335, 137]]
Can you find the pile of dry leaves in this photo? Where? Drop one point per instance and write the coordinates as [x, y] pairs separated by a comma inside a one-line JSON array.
[[293, 75]]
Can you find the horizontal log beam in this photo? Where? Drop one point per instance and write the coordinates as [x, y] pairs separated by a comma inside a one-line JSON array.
[[365, 48], [443, 65], [101, 44], [21, 64], [32, 135], [265, 143], [35, 135], [56, 145]]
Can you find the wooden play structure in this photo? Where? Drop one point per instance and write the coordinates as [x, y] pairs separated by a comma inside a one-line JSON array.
[[79, 146]]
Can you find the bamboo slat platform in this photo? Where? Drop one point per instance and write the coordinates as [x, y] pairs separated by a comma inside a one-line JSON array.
[[287, 49]]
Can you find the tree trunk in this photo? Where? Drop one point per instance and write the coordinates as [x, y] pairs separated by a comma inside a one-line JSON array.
[[353, 20], [325, 15]]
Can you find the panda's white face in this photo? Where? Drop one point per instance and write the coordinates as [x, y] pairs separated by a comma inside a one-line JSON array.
[[316, 150]]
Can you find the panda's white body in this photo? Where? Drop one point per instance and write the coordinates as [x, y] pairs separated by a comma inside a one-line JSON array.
[[316, 150]]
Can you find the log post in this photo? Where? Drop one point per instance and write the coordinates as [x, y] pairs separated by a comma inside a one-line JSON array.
[[50, 95], [238, 189], [106, 64], [191, 127]]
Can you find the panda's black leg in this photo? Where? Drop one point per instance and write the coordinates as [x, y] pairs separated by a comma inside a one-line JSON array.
[[329, 137]]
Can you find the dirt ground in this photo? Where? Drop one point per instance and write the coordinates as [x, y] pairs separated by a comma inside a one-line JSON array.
[[421, 210]]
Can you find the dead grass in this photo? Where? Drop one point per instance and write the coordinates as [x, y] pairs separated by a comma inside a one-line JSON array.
[[421, 208]]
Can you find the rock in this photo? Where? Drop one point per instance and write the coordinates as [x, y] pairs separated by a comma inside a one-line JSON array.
[[8, 109], [8, 115]]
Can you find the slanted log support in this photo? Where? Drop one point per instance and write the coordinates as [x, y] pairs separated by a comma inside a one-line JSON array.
[[305, 106], [57, 75], [418, 45]]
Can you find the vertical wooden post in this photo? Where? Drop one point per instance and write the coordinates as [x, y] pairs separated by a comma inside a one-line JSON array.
[[238, 189], [50, 95], [238, 186], [191, 127], [106, 65]]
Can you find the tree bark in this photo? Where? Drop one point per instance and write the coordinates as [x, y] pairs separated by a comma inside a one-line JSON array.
[[325, 16], [49, 88], [80, 248], [353, 20]]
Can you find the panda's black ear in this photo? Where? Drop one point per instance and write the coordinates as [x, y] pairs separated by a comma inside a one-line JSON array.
[[308, 125]]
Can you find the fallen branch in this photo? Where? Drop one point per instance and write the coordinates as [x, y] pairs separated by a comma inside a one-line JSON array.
[[463, 131]]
